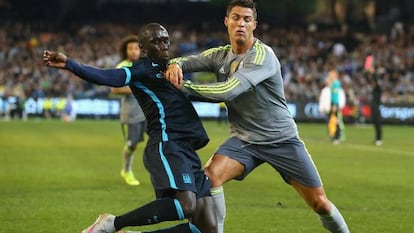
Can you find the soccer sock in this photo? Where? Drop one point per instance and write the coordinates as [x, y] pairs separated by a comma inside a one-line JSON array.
[[182, 228], [165, 209], [217, 194], [333, 221], [128, 158]]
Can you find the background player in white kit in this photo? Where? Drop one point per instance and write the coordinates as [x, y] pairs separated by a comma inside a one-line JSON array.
[[131, 116], [262, 129]]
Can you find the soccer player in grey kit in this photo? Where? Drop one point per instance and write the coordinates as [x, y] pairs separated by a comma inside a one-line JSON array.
[[249, 80], [131, 116]]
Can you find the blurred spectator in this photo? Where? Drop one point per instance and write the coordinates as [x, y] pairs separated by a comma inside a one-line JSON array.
[[305, 55]]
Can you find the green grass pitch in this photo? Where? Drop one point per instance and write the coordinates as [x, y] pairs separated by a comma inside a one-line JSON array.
[[57, 177]]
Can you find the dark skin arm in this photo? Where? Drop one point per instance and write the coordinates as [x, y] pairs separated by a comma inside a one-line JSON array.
[[121, 90]]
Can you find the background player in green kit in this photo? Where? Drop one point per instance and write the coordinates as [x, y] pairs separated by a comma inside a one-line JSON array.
[[131, 115], [262, 129]]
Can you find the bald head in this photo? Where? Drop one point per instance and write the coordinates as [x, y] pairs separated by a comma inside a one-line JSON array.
[[155, 41], [148, 30]]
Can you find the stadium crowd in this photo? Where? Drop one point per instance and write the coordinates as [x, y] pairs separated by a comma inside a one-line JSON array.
[[305, 54]]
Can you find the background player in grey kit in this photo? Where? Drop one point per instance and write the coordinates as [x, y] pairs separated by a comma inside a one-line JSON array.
[[262, 129], [131, 116]]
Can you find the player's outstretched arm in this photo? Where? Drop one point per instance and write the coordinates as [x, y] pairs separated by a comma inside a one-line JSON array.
[[107, 77]]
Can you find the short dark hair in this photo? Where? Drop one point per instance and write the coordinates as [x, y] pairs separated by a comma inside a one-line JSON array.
[[124, 44], [242, 3]]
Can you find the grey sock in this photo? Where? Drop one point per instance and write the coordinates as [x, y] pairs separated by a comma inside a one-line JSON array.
[[128, 158], [334, 222], [217, 194]]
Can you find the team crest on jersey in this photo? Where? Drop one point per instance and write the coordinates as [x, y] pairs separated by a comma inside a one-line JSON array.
[[233, 66], [187, 179]]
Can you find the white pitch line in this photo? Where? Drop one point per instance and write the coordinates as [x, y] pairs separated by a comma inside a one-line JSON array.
[[368, 148], [379, 148]]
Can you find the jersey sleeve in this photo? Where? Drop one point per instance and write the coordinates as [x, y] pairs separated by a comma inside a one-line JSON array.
[[107, 77], [124, 63], [256, 68], [204, 61]]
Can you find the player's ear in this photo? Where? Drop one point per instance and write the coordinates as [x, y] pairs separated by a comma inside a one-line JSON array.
[[226, 21], [254, 25]]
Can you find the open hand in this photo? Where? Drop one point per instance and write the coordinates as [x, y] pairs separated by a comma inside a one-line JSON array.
[[54, 59]]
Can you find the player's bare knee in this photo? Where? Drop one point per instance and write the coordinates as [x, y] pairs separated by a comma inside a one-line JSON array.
[[188, 204], [205, 218], [321, 205], [132, 147], [216, 177], [189, 208]]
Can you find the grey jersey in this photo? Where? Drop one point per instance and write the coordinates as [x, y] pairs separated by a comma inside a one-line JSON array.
[[251, 85], [131, 112]]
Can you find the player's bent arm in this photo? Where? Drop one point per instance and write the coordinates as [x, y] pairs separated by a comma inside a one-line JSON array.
[[221, 91], [191, 64], [204, 61], [107, 77], [245, 78]]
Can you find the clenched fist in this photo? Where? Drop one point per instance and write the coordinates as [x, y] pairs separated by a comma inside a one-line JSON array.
[[54, 59]]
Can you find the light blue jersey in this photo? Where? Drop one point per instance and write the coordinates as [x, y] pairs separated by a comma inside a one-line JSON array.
[[335, 89]]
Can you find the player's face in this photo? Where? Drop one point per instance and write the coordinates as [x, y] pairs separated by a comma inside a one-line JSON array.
[[133, 51], [158, 45], [240, 24]]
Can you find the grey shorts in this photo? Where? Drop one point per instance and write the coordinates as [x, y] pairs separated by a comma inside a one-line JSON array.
[[290, 158], [133, 133]]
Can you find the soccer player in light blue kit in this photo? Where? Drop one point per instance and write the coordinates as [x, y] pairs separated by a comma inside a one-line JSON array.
[[262, 129]]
